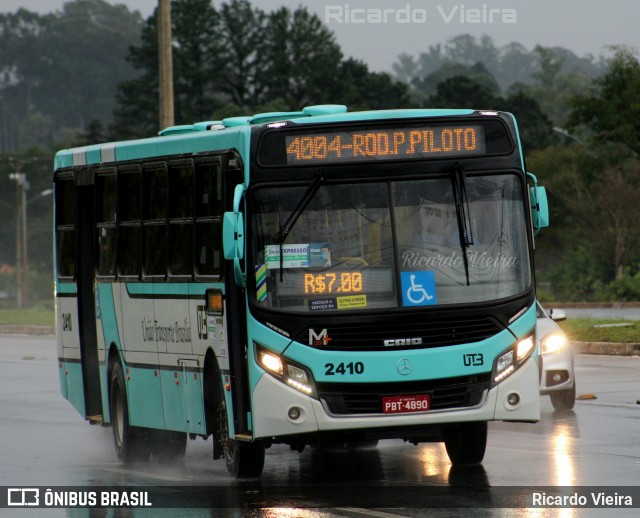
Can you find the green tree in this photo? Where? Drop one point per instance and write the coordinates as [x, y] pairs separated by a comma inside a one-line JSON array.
[[549, 66], [557, 76], [536, 130], [508, 65], [59, 71], [238, 59], [478, 73], [566, 255], [302, 56], [467, 50], [595, 222], [196, 56], [361, 89], [136, 110], [242, 29], [610, 109], [198, 66], [94, 132], [462, 92]]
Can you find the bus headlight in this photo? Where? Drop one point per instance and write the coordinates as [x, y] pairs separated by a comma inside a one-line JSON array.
[[286, 371], [525, 347], [270, 362], [509, 361]]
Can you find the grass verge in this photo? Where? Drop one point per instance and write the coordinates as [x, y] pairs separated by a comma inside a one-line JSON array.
[[585, 330], [37, 315]]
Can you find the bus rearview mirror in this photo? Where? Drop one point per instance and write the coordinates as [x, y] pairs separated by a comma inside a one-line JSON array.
[[539, 207], [233, 235]]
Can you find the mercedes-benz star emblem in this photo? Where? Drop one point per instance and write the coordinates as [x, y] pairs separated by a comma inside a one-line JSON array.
[[405, 367]]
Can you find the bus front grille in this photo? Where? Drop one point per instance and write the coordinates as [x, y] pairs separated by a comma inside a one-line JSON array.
[[407, 333], [366, 398]]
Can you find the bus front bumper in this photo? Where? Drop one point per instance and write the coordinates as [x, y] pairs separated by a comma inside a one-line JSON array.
[[279, 410]]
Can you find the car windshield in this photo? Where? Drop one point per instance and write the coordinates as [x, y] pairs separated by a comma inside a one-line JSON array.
[[359, 246]]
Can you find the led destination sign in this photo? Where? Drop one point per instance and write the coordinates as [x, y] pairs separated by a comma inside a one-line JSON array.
[[372, 281], [345, 282], [386, 144]]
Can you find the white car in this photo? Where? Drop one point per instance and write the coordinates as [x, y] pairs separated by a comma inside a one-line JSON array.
[[558, 378]]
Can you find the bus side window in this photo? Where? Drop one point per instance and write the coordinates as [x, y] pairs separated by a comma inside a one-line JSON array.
[[130, 218], [65, 203], [181, 218], [208, 214], [154, 212], [106, 231], [181, 249]]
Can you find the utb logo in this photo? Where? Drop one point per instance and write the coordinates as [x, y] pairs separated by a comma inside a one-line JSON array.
[[202, 323], [319, 339]]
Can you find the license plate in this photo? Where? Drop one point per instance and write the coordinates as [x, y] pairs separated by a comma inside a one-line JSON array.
[[404, 404]]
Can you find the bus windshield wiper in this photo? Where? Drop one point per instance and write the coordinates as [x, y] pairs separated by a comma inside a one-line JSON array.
[[280, 236], [461, 200]]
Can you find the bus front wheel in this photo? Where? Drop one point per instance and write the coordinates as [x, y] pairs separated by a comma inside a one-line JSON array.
[[132, 444], [243, 459], [465, 442]]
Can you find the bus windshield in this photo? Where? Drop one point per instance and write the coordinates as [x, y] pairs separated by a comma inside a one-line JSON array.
[[406, 243]]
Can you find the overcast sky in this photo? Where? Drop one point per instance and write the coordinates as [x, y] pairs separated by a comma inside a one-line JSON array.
[[369, 30]]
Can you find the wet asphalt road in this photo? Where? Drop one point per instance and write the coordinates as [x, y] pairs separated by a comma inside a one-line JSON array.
[[44, 442]]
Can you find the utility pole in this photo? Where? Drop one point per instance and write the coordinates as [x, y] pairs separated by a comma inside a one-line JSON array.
[[22, 186], [15, 177], [165, 64]]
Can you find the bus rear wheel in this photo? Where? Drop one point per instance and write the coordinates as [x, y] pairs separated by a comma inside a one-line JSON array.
[[132, 444], [465, 442], [243, 459]]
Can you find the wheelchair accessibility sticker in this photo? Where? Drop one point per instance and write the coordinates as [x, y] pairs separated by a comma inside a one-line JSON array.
[[418, 288]]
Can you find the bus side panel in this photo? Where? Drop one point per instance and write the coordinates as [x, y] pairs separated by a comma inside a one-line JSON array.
[[75, 388], [137, 322], [175, 354], [208, 332], [60, 350], [192, 397], [172, 383], [69, 350]]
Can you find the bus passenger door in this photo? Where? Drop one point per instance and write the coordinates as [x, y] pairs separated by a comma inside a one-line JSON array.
[[85, 276], [235, 316]]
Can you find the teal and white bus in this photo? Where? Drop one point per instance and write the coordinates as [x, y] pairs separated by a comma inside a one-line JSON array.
[[306, 278]]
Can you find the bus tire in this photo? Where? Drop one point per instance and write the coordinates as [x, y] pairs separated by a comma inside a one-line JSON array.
[[465, 442], [243, 459], [131, 443]]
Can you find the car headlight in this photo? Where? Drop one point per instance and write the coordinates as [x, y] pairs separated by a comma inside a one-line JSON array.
[[286, 371], [553, 342], [509, 361]]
